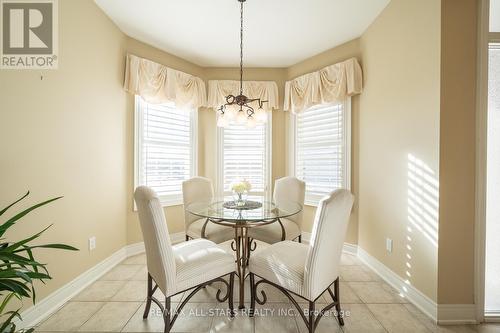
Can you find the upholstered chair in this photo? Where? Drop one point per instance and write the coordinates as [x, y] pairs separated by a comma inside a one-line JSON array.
[[200, 189], [286, 189], [177, 268], [307, 270]]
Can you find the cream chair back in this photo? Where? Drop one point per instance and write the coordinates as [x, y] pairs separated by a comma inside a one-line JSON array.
[[159, 254], [196, 189], [327, 240], [288, 189]]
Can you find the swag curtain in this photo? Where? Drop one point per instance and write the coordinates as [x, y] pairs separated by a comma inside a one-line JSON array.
[[157, 83], [330, 84], [265, 90]]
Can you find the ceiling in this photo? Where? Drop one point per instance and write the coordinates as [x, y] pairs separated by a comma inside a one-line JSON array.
[[277, 33]]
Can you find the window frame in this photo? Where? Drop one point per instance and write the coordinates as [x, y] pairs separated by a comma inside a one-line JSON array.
[[292, 158], [219, 179], [171, 200]]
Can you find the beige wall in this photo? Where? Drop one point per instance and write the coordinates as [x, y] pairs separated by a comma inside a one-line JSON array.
[[399, 140], [457, 152], [66, 135], [332, 56]]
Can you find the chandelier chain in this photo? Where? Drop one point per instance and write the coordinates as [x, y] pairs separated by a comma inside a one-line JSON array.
[[241, 48]]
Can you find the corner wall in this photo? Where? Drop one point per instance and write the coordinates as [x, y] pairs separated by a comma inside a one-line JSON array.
[[399, 141], [457, 152], [65, 135]]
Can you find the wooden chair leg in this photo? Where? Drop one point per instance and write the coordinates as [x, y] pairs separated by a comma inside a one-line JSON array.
[[312, 318], [230, 300], [150, 295], [166, 315], [252, 294]]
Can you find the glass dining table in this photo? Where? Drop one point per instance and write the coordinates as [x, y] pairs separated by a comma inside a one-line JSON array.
[[252, 214]]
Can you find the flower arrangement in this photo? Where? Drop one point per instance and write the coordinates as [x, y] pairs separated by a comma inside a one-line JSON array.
[[241, 187], [240, 191]]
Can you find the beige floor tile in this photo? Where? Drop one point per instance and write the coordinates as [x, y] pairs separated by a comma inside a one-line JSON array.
[[174, 299], [273, 294], [121, 273], [347, 295], [141, 274], [208, 294], [225, 324], [131, 291], [376, 292], [99, 291], [327, 324], [396, 318], [433, 327], [112, 317], [195, 317], [357, 273], [154, 322], [349, 259], [359, 319], [70, 317], [275, 317], [139, 259]]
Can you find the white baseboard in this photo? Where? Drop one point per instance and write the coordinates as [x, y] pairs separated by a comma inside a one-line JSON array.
[[58, 298], [456, 314], [348, 247], [421, 301], [443, 314]]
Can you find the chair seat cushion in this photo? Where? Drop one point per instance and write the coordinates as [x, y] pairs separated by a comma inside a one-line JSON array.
[[282, 263], [272, 233], [198, 261], [214, 232]]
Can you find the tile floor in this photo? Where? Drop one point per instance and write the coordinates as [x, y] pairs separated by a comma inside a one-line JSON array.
[[115, 304]]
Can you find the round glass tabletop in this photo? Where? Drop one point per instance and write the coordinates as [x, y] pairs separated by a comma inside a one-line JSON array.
[[216, 211]]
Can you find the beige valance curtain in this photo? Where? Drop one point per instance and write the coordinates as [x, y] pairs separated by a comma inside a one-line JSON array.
[[157, 83], [265, 90], [330, 84]]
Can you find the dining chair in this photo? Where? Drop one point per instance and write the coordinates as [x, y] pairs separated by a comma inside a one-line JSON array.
[[200, 189], [286, 189], [188, 266], [307, 271]]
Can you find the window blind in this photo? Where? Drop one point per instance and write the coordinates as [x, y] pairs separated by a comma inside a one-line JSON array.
[[165, 149], [245, 156], [320, 150]]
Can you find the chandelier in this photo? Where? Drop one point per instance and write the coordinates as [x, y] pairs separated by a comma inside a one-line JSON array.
[[239, 108]]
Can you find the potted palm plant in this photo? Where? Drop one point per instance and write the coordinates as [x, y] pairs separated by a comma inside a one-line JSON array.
[[19, 268]]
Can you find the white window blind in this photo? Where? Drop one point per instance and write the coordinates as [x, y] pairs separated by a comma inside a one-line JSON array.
[[322, 143], [165, 148], [244, 155]]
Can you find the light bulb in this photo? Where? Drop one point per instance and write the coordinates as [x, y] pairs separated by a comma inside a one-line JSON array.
[[231, 111], [241, 118], [222, 121], [251, 123], [261, 115]]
